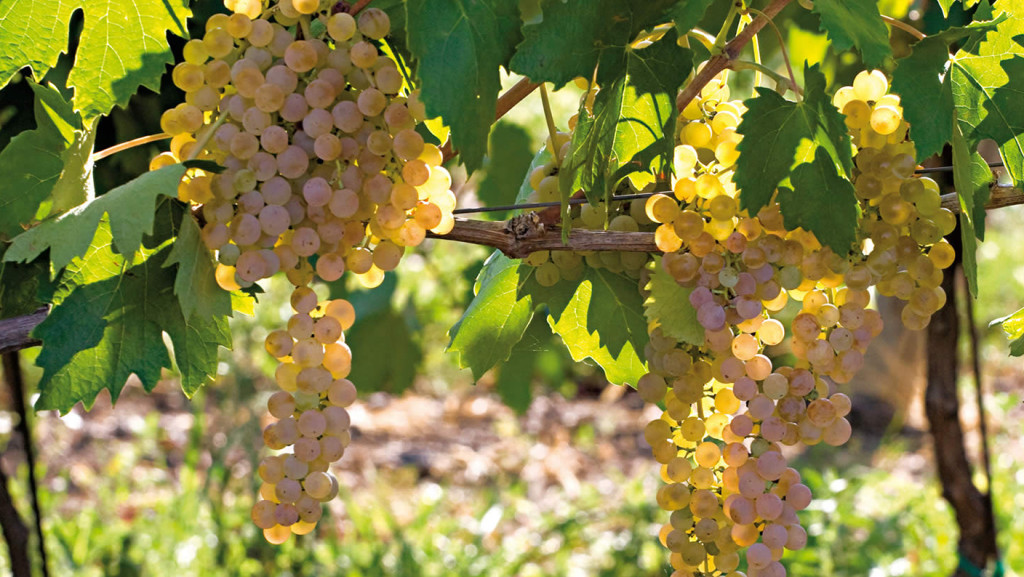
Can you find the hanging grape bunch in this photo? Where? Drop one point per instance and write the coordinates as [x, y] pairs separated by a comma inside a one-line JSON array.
[[322, 163]]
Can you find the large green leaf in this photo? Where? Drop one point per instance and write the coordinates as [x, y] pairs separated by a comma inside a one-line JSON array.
[[668, 306], [194, 283], [780, 134], [858, 23], [603, 320], [577, 36], [822, 201], [32, 162], [123, 45], [391, 368], [514, 382], [1013, 326], [495, 320], [460, 44], [987, 83], [921, 81], [508, 165], [111, 326], [631, 128], [971, 176], [130, 208], [599, 317]]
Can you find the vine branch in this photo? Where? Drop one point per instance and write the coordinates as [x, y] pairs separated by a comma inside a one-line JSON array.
[[904, 27], [730, 53]]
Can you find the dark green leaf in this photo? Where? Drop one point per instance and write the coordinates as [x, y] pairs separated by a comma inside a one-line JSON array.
[[688, 13], [460, 44], [850, 23], [1013, 326], [194, 283], [920, 80], [971, 176], [632, 126], [575, 36], [130, 206], [111, 326], [779, 135], [19, 287], [822, 201], [509, 160], [389, 368], [668, 306], [123, 45]]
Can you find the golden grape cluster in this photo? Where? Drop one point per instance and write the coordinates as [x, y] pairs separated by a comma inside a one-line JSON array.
[[728, 409], [324, 173]]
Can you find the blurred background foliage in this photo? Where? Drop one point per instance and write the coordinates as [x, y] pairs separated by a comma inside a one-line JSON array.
[[538, 469]]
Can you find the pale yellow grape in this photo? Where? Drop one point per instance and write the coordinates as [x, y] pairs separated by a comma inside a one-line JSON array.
[[305, 6], [363, 54], [374, 23], [870, 85]]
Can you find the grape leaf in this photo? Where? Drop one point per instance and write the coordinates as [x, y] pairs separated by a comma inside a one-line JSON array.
[[460, 44], [111, 326], [1013, 326], [687, 13], [822, 201], [495, 320], [603, 320], [632, 125], [576, 36], [509, 159], [19, 287], [603, 303], [774, 130], [856, 23], [668, 306], [123, 45], [31, 163], [514, 382], [583, 314], [130, 206], [971, 176], [987, 87], [194, 282], [75, 184], [921, 81], [389, 368]]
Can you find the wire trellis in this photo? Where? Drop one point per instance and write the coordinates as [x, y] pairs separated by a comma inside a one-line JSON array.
[[623, 197]]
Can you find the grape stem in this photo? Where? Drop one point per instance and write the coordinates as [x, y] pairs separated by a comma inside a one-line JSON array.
[[550, 119], [100, 155], [789, 83], [904, 27], [205, 138], [506, 102], [358, 6], [785, 54], [730, 52]]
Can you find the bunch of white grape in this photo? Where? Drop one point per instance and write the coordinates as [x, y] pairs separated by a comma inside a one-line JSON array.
[[312, 425], [318, 143], [323, 173]]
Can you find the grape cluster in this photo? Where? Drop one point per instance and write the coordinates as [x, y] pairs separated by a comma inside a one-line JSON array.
[[311, 416], [903, 217], [323, 173], [728, 410], [319, 146]]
